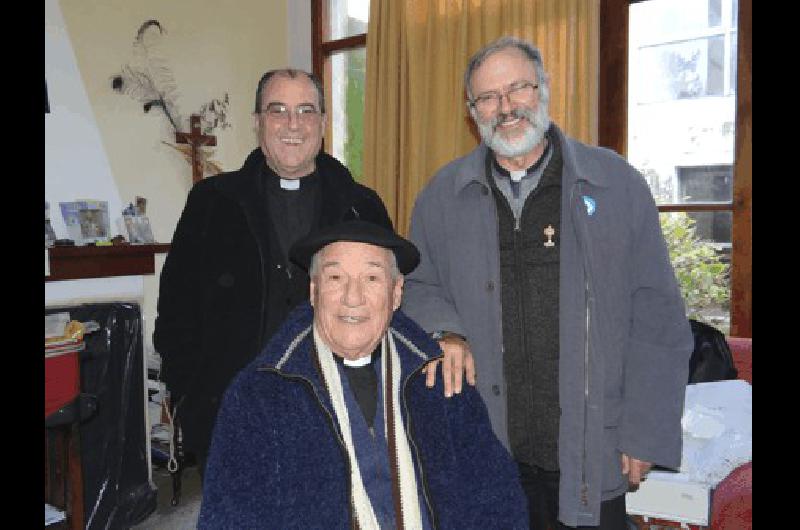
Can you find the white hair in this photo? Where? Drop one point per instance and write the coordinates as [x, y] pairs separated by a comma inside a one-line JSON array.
[[530, 51], [539, 118]]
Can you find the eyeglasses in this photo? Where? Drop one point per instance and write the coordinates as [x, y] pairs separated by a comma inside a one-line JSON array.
[[489, 102], [305, 114]]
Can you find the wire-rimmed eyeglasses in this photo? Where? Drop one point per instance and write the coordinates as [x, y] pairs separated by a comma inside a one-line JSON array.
[[489, 102], [305, 113]]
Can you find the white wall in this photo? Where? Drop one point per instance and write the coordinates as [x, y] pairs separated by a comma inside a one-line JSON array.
[[76, 165], [298, 34], [102, 145]]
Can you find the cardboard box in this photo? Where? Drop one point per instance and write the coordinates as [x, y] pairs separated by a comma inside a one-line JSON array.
[[672, 499]]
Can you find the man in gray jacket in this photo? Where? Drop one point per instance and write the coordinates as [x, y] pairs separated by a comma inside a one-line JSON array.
[[543, 258]]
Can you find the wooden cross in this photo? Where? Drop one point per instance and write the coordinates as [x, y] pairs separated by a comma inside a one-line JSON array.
[[196, 139]]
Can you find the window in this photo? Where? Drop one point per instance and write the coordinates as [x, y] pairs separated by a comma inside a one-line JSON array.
[[680, 108], [339, 48], [704, 184], [677, 107]]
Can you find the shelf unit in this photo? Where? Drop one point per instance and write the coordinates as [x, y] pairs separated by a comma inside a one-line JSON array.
[[77, 263]]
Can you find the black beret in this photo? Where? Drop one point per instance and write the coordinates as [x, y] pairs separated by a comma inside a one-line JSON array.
[[359, 231]]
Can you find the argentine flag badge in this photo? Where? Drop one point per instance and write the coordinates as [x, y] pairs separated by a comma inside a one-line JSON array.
[[590, 204]]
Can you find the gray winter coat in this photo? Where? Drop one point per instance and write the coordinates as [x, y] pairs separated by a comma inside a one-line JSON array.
[[624, 337]]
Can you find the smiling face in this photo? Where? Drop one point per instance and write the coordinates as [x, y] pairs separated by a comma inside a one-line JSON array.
[[354, 295], [512, 128], [290, 143]]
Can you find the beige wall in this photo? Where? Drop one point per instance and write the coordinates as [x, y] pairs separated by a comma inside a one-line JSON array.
[[211, 46]]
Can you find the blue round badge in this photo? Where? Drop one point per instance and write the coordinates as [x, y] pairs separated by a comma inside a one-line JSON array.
[[590, 204]]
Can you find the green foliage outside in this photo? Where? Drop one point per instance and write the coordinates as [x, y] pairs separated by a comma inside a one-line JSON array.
[[701, 274], [354, 110]]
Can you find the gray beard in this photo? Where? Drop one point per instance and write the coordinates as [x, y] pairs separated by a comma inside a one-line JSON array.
[[538, 123]]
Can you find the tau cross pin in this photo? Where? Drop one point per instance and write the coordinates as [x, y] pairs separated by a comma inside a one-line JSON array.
[[549, 232]]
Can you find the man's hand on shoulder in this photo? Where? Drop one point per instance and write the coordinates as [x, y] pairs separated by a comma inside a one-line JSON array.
[[456, 362]]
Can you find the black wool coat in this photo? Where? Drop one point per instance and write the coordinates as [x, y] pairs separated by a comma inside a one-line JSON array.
[[212, 304]]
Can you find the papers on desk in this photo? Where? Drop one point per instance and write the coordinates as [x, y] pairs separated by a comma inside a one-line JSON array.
[[61, 347], [52, 515], [54, 325], [62, 335]]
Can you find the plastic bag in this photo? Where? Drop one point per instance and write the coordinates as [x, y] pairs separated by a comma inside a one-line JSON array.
[[711, 359], [717, 430]]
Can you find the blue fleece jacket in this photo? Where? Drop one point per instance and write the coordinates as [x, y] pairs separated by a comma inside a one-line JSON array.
[[277, 459]]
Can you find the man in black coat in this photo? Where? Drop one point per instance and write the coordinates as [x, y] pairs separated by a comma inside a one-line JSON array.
[[227, 282]]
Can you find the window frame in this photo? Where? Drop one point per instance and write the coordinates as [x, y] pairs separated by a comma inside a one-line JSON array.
[[612, 128], [322, 48], [613, 133]]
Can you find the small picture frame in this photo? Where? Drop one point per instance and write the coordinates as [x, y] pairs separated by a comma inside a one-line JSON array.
[[70, 213], [139, 230], [49, 233], [86, 220], [93, 225]]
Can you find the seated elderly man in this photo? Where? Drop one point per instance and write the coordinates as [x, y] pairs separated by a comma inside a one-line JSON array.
[[332, 426]]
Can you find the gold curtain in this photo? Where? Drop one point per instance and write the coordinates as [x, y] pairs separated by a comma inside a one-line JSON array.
[[416, 120]]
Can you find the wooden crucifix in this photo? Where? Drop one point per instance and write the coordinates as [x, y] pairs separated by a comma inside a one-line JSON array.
[[196, 139]]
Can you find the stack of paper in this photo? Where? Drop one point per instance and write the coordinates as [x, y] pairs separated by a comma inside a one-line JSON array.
[[52, 515], [60, 347]]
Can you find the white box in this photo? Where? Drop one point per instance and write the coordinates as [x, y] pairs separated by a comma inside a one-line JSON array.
[[671, 499]]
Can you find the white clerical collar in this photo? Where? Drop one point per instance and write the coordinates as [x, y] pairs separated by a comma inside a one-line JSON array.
[[290, 184], [358, 363], [516, 176]]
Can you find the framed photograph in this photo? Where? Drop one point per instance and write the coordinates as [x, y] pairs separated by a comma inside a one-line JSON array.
[[92, 225], [93, 217], [86, 220], [139, 231], [49, 233], [69, 211]]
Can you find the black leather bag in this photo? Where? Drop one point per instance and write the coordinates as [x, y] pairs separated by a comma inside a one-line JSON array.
[[711, 359]]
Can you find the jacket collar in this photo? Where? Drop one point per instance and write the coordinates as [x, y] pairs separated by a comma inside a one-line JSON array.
[[246, 188], [335, 177], [471, 168]]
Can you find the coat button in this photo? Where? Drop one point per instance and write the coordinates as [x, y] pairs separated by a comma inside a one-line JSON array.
[[490, 286], [495, 390]]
